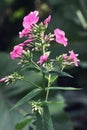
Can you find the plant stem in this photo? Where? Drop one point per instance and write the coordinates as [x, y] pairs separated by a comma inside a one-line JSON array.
[[43, 82], [47, 93], [43, 49]]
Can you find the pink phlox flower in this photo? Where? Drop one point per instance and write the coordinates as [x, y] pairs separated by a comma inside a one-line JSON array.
[[30, 19], [47, 20], [43, 58], [60, 37], [17, 52], [74, 58]]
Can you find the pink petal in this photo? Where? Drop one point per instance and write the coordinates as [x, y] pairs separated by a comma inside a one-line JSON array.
[[30, 19], [60, 37]]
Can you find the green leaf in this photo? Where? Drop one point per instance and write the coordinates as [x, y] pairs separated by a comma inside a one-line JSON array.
[[63, 88], [83, 64], [61, 119], [31, 68], [56, 105], [7, 65], [26, 98], [44, 121], [8, 118], [54, 102], [60, 73], [22, 124], [64, 74]]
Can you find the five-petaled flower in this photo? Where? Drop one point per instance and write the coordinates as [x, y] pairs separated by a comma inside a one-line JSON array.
[[74, 58], [60, 37], [31, 19], [28, 22], [17, 52]]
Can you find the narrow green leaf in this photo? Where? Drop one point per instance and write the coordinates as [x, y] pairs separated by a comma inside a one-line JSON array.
[[60, 73], [27, 97], [22, 124], [33, 69], [64, 74], [44, 121], [83, 64], [54, 102], [63, 88]]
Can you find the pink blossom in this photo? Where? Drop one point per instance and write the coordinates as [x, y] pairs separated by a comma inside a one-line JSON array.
[[60, 37], [30, 19], [43, 58], [47, 20], [17, 52], [74, 58]]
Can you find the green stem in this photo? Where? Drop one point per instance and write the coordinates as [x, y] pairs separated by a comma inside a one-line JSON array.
[[43, 82], [47, 93], [43, 49]]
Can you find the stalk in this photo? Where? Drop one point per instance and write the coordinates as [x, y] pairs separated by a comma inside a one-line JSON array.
[[47, 93]]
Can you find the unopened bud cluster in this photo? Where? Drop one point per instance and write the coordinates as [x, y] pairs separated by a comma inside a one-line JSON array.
[[11, 78]]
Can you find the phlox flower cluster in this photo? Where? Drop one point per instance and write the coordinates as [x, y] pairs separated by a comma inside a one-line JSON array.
[[60, 37], [35, 31], [37, 40]]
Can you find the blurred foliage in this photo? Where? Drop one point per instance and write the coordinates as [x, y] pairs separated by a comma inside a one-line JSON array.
[[69, 15]]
